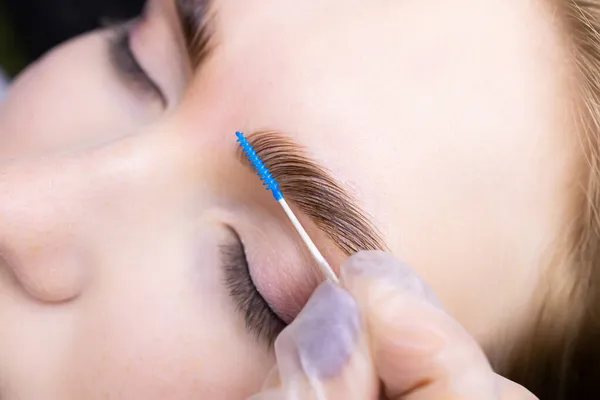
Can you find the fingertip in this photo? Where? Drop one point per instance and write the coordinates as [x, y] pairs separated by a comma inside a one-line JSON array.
[[324, 350], [370, 263], [417, 347], [367, 267], [325, 334], [512, 390]]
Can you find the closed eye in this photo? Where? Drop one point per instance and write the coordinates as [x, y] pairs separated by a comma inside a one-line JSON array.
[[128, 67], [259, 317]]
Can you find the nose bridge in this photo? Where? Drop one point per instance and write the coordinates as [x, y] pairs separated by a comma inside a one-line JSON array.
[[41, 204]]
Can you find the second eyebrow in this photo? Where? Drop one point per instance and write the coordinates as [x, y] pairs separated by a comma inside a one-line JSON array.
[[128, 67], [197, 28], [316, 193]]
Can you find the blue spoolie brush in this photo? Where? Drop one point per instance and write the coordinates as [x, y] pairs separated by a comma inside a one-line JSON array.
[[271, 184]]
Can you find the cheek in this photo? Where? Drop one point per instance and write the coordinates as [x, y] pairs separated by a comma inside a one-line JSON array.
[[169, 334]]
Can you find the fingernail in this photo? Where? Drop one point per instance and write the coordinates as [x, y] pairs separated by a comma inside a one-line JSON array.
[[326, 331], [383, 266]]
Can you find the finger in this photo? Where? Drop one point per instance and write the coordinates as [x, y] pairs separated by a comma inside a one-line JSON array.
[[513, 391], [323, 354], [418, 350]]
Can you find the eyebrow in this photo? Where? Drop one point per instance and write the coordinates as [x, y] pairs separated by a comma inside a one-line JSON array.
[[128, 68], [316, 193], [197, 26]]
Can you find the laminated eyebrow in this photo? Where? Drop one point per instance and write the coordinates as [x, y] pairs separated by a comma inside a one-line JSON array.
[[316, 193]]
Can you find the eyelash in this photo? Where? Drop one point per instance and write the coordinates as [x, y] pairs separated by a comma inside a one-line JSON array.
[[259, 318], [127, 66]]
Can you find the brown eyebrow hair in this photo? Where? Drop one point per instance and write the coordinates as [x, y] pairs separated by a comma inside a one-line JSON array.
[[316, 193], [198, 28]]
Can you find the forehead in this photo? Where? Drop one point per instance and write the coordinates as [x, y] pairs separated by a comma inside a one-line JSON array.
[[419, 20], [399, 44], [356, 66], [380, 61]]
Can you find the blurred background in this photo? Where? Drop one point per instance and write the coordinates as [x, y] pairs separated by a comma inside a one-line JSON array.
[[29, 28]]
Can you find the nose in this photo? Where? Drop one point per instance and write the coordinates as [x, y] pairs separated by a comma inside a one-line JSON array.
[[65, 218], [55, 210]]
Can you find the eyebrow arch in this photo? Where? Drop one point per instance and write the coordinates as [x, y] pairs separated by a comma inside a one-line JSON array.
[[316, 193], [197, 26], [127, 66]]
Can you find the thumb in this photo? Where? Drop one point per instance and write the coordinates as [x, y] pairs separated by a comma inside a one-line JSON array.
[[418, 350], [324, 353]]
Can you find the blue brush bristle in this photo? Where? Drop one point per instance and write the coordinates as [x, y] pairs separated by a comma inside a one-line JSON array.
[[261, 169]]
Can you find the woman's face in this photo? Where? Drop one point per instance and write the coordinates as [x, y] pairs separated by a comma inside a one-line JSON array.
[[140, 259]]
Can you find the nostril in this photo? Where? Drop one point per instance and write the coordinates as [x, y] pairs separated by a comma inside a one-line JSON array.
[[41, 226], [52, 274]]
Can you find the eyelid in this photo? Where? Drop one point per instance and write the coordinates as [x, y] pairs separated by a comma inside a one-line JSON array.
[[260, 318], [128, 67]]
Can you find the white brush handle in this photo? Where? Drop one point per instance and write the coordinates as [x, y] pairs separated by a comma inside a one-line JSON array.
[[323, 264]]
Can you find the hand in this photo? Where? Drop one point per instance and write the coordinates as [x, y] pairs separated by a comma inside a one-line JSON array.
[[381, 335]]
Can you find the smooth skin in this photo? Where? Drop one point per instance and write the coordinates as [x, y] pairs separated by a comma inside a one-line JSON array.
[[450, 122]]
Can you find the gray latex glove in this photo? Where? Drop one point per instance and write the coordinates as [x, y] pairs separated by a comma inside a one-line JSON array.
[[381, 334]]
